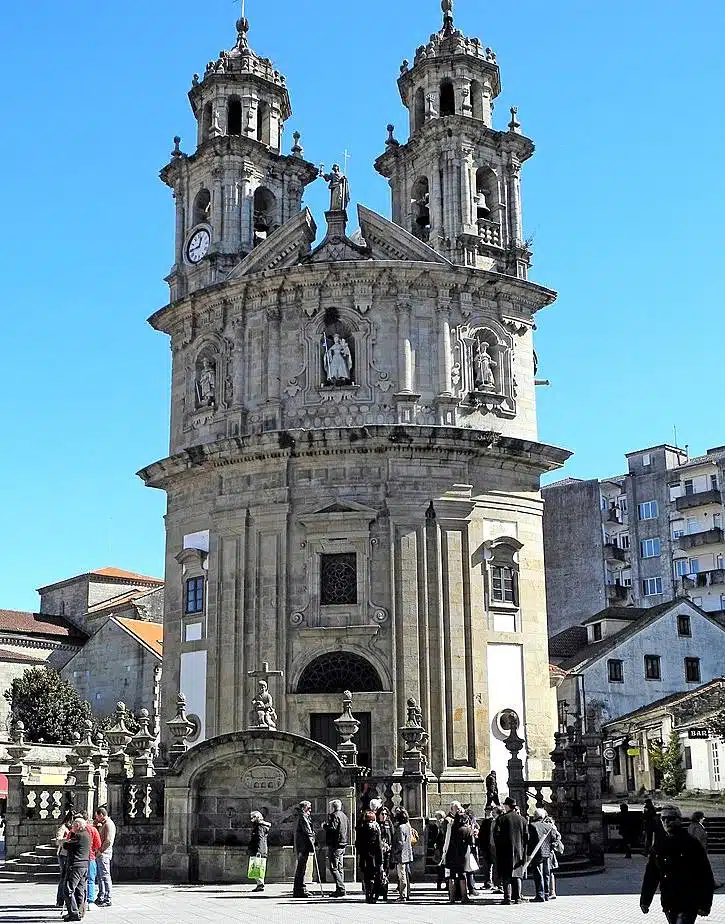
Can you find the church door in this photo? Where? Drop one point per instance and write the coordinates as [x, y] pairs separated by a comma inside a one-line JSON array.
[[323, 729]]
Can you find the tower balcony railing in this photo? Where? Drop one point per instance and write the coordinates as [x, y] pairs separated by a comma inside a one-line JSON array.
[[704, 537], [617, 592], [489, 232], [687, 501], [703, 579], [613, 552]]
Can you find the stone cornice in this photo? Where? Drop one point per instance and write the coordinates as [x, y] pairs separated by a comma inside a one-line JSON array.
[[393, 441]]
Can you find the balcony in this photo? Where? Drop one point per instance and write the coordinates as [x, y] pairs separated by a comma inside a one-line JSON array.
[[688, 501], [614, 514], [613, 552], [705, 537], [617, 592], [704, 579], [489, 232]]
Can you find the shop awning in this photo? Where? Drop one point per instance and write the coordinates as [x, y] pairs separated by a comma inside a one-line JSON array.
[[3, 786]]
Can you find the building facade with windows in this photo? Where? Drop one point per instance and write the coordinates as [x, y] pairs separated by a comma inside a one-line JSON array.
[[354, 472], [637, 539], [631, 737], [622, 659]]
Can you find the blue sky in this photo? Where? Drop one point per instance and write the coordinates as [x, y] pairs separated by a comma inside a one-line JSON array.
[[625, 199]]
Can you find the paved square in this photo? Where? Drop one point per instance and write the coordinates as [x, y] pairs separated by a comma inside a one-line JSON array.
[[611, 898]]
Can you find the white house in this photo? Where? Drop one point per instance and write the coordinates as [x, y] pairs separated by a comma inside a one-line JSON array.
[[625, 658]]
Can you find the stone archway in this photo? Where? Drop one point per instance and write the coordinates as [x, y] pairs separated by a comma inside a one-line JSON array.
[[211, 790]]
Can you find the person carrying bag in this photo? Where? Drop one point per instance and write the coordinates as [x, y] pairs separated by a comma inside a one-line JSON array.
[[258, 850]]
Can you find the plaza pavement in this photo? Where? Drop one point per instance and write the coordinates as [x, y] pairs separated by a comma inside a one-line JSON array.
[[610, 898]]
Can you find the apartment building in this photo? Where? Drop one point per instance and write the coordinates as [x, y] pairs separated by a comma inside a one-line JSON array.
[[638, 539]]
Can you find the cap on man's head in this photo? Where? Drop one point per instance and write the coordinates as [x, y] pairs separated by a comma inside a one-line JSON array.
[[510, 802]]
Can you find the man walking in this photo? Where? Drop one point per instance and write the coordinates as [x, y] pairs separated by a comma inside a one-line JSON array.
[[510, 837], [678, 864], [492, 790], [107, 830], [78, 847], [541, 839], [304, 845], [337, 829]]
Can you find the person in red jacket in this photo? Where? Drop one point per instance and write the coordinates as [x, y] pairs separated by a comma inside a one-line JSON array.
[[92, 866]]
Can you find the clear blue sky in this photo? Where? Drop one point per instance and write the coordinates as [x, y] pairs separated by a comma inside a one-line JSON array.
[[625, 199]]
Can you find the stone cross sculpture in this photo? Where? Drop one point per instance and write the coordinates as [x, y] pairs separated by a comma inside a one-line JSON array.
[[339, 188], [263, 714]]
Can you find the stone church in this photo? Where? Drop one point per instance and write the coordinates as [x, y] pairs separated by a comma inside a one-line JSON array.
[[354, 469]]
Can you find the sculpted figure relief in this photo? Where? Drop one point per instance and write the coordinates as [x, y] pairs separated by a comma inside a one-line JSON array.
[[484, 366], [263, 712], [339, 188], [206, 385], [337, 360]]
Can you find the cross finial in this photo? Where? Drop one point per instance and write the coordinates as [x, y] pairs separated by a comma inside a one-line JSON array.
[[447, 7], [242, 26], [346, 157]]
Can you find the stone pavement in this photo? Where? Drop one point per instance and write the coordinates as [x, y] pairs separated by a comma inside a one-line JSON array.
[[611, 898]]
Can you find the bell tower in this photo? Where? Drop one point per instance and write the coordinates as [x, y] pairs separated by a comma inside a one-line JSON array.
[[456, 182], [238, 186]]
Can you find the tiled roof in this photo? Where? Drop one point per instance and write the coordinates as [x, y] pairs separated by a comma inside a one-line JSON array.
[[110, 574], [627, 613], [666, 701], [39, 624], [566, 643], [16, 656], [150, 634]]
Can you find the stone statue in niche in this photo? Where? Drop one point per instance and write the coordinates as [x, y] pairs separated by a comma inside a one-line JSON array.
[[484, 363], [337, 360], [339, 188], [264, 714], [206, 384]]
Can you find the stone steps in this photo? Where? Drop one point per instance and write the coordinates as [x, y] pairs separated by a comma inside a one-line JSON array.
[[39, 865]]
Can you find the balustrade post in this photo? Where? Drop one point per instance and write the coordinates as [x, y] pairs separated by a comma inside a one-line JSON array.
[[17, 773]]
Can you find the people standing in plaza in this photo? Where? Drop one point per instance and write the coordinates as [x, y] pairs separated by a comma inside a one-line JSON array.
[[370, 853], [557, 845], [492, 790], [696, 828], [107, 830], [650, 823], [61, 836], [540, 846], [304, 843], [337, 829], [457, 853], [78, 847], [678, 864], [626, 830], [386, 837], [403, 853], [92, 863], [258, 843], [510, 840], [483, 842]]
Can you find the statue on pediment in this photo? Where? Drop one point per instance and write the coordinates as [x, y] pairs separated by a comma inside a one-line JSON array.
[[206, 384], [339, 188]]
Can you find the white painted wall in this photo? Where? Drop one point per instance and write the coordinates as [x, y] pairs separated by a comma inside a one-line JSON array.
[[505, 691], [193, 686]]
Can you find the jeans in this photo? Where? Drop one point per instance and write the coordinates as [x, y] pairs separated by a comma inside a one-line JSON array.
[[680, 917], [300, 870], [92, 869], [76, 887], [105, 886], [335, 856], [511, 889], [542, 877], [403, 880]]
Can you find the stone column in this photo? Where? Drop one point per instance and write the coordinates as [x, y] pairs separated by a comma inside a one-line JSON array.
[[405, 347], [514, 196], [180, 227], [274, 316], [16, 773], [217, 207], [487, 94], [468, 215], [246, 210], [445, 356], [437, 722]]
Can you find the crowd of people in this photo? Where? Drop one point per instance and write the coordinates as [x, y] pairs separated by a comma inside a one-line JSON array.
[[85, 851]]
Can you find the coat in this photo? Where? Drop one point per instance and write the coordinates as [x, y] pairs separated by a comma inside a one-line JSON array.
[[483, 841], [304, 835], [337, 828], [258, 840], [537, 831], [370, 848], [510, 838], [459, 845], [678, 864], [402, 844]]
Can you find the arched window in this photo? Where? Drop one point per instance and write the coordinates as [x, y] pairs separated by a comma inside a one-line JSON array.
[[486, 194], [234, 116], [202, 207], [419, 113], [265, 214], [263, 123], [448, 98], [476, 100], [206, 122], [337, 352], [339, 671], [503, 572], [420, 202]]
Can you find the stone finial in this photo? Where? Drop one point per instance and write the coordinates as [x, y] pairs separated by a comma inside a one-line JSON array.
[[510, 722], [392, 142], [177, 146], [447, 7], [297, 148], [195, 80], [143, 739], [405, 66], [242, 31], [180, 727], [514, 124], [347, 727], [18, 749], [430, 513], [119, 734]]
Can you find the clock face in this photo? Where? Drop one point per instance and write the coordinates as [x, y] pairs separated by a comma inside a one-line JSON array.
[[198, 246]]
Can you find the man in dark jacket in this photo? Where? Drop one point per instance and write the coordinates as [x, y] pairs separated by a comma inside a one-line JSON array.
[[304, 845], [679, 865], [510, 837], [541, 841], [483, 842], [337, 829], [78, 847], [492, 790]]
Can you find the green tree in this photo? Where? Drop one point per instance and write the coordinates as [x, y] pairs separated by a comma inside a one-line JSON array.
[[716, 724], [668, 760], [49, 706]]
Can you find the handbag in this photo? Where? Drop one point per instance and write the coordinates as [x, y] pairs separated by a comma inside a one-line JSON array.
[[257, 868], [471, 864], [414, 837]]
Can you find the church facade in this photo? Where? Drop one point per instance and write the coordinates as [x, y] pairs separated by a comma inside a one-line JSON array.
[[353, 475]]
